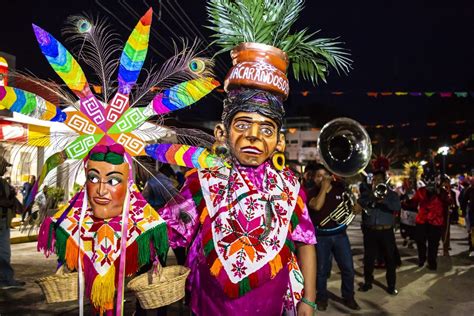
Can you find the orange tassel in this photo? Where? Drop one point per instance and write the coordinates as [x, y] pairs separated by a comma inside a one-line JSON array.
[[275, 265], [103, 289], [216, 267], [204, 214], [72, 254]]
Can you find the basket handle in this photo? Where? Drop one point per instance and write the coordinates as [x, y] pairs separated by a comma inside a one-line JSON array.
[[157, 268], [60, 270], [156, 271]]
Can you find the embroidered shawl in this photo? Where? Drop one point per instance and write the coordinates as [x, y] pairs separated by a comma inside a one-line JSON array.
[[100, 244], [246, 230]]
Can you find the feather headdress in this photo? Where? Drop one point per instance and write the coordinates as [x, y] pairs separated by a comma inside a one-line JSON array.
[[381, 164], [410, 166]]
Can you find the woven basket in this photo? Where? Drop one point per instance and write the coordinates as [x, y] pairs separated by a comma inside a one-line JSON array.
[[61, 287], [161, 287]]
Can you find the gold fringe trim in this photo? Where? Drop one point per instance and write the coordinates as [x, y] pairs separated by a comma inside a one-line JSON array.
[[103, 289]]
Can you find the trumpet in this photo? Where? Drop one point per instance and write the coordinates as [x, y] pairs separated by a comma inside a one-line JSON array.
[[345, 150], [381, 190]]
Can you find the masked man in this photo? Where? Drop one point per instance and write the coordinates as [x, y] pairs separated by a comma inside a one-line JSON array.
[[249, 224]]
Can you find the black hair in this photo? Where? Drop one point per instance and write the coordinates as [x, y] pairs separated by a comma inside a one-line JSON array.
[[253, 100], [319, 166]]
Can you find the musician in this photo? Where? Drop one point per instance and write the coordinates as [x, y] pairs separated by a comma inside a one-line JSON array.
[[449, 212], [377, 226], [307, 180], [326, 196], [433, 203]]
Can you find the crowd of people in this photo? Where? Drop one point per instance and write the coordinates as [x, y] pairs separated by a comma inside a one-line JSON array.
[[254, 239], [422, 209]]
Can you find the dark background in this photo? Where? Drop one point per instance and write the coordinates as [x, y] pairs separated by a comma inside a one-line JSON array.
[[412, 46]]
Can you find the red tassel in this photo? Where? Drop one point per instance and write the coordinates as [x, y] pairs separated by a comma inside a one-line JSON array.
[[231, 290], [211, 257], [131, 263], [253, 278], [285, 255], [207, 236]]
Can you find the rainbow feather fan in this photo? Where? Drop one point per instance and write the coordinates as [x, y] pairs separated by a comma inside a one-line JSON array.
[[20, 101], [183, 155], [134, 53], [115, 121]]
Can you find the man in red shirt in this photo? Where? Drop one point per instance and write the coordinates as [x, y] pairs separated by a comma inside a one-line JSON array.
[[433, 203]]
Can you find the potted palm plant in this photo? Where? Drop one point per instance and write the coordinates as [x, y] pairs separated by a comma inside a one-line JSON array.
[[258, 34]]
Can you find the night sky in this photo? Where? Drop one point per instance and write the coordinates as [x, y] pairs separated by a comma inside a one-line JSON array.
[[412, 46]]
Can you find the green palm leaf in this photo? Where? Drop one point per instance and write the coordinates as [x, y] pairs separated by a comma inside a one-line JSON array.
[[270, 22]]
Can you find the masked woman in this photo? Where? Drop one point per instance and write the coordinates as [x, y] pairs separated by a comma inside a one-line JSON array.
[[250, 236], [107, 231], [95, 235]]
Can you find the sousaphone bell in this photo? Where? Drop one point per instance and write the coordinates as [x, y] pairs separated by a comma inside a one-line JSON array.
[[345, 149]]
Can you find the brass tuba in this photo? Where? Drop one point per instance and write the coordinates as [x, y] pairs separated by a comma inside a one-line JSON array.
[[345, 149]]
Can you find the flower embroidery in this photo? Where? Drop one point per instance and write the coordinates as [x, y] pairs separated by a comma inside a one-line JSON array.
[[251, 206], [208, 173], [218, 225], [287, 196], [217, 193], [292, 264], [271, 181], [289, 176], [234, 183], [275, 243], [239, 269], [246, 239]]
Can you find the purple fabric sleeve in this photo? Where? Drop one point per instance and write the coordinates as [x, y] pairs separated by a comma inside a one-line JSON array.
[[304, 232], [181, 216]]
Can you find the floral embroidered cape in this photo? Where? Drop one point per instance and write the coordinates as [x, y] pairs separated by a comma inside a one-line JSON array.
[[249, 219]]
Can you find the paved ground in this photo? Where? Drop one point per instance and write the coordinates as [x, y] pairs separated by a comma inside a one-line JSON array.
[[449, 291]]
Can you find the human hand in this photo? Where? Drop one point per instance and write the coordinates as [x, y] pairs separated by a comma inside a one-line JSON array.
[[326, 183], [304, 310], [357, 209]]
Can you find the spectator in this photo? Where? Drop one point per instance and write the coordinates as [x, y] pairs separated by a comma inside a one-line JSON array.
[[467, 206], [7, 211]]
